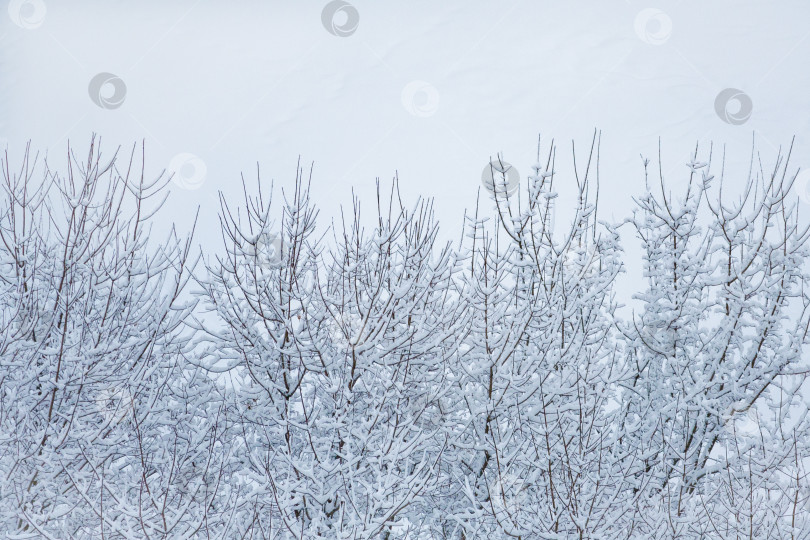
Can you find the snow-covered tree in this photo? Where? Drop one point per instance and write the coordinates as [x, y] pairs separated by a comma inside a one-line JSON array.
[[338, 362], [105, 429], [720, 338]]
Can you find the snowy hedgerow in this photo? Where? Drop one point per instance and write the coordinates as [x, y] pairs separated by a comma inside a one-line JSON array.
[[366, 381]]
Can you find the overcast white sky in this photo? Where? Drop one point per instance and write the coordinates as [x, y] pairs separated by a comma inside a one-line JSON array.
[[428, 89]]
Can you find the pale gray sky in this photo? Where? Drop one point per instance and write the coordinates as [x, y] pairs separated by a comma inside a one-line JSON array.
[[428, 89]]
